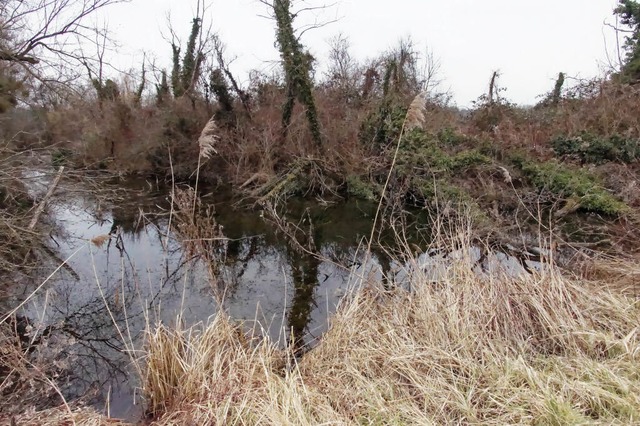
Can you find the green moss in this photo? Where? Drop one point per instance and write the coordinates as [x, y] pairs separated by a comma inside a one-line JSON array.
[[444, 193], [567, 182], [467, 159], [430, 189], [450, 137], [357, 187], [421, 151]]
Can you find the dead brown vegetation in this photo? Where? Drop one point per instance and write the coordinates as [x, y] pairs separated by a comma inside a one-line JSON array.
[[545, 348]]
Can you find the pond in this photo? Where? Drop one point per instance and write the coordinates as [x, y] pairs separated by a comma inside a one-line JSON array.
[[96, 307], [98, 304]]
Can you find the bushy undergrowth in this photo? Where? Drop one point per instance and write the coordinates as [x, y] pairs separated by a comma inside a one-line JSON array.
[[592, 149], [457, 149], [570, 183]]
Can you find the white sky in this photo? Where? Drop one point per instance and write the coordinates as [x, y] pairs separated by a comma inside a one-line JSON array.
[[529, 42]]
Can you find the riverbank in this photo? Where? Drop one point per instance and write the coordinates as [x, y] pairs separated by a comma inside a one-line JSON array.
[[541, 349], [546, 333], [570, 162], [544, 348]]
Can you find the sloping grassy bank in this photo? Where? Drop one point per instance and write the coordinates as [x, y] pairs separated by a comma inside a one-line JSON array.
[[468, 349]]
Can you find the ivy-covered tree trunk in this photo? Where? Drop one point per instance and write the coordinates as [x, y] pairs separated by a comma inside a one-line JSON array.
[[557, 90], [185, 74], [220, 89], [162, 90], [297, 68], [175, 71], [192, 59], [137, 99]]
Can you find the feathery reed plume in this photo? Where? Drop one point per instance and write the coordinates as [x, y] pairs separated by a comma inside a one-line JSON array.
[[415, 114], [208, 139], [505, 174]]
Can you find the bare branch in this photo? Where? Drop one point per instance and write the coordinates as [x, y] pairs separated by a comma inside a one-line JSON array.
[[616, 28], [31, 28], [294, 14], [5, 56]]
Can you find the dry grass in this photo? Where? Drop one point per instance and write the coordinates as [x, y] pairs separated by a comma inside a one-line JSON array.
[[57, 417], [469, 349]]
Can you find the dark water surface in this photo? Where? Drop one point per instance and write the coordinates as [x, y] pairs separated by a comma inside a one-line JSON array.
[[97, 307]]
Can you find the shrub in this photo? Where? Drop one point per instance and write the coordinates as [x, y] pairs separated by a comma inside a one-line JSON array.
[[566, 182], [449, 137], [420, 150], [366, 190], [597, 150]]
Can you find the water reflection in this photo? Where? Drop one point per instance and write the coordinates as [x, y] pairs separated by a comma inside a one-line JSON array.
[[96, 308], [304, 271], [285, 282]]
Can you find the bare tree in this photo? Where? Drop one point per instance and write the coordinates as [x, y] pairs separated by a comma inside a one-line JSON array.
[[430, 72], [219, 49], [42, 42], [343, 68], [32, 31]]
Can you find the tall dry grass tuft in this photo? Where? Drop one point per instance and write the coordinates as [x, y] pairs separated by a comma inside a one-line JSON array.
[[205, 374], [416, 113], [208, 139], [468, 348]]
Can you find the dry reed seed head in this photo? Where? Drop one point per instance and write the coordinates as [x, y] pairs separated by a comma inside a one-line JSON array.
[[208, 139], [415, 114], [505, 174]]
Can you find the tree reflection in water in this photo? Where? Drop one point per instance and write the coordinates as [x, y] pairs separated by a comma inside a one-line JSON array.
[[142, 276]]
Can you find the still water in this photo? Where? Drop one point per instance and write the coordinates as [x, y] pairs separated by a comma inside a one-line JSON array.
[[97, 306]]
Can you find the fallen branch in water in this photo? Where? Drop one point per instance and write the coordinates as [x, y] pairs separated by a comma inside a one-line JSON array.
[[279, 185], [41, 206], [43, 203]]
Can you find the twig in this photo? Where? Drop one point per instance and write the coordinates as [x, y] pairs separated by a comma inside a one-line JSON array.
[[44, 201]]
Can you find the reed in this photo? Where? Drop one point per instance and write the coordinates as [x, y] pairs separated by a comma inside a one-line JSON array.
[[489, 348], [208, 139]]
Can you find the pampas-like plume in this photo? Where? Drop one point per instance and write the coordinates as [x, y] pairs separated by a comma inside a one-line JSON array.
[[415, 114], [505, 174], [208, 139]]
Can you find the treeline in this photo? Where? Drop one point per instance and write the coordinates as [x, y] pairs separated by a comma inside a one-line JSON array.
[[296, 132]]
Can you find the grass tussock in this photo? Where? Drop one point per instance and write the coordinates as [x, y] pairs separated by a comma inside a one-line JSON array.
[[470, 349]]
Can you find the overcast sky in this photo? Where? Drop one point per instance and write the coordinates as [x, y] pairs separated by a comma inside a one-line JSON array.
[[529, 42]]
